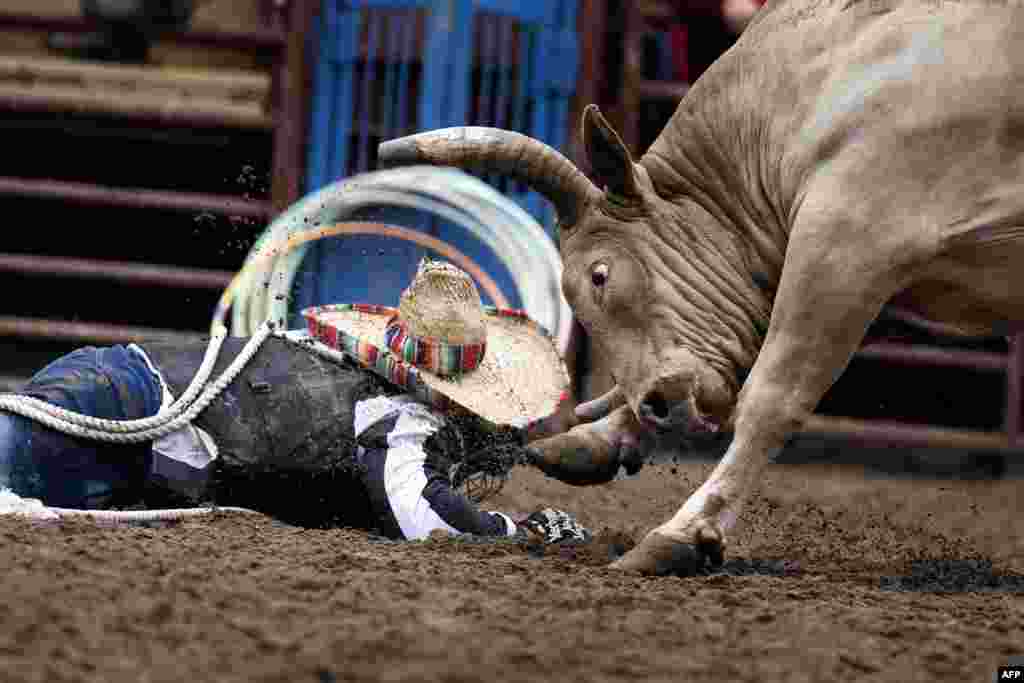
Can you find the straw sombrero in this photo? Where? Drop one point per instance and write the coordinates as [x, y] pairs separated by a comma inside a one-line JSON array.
[[443, 346]]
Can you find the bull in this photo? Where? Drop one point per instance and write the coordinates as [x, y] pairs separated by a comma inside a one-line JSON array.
[[843, 156]]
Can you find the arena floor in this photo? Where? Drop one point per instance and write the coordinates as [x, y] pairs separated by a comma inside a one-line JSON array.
[[806, 595]]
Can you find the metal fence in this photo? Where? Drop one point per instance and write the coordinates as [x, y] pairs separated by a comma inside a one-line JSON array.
[[388, 68], [280, 91]]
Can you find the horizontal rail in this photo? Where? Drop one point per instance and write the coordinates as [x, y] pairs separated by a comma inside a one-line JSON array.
[[260, 39], [97, 195], [121, 271], [916, 354], [9, 383], [1014, 388], [231, 85], [667, 90], [88, 332], [879, 432], [171, 110]]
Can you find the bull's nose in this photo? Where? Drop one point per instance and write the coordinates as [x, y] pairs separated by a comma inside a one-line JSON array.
[[656, 411]]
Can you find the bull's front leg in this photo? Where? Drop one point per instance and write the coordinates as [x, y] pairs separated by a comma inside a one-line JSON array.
[[592, 453], [826, 300]]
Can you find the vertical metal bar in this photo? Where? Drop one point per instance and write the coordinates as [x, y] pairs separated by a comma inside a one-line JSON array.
[[527, 46], [540, 99], [1014, 389], [505, 66], [591, 30], [436, 63], [457, 108], [388, 97], [520, 85], [503, 85], [289, 135], [349, 22], [369, 73], [631, 76], [325, 35], [407, 52], [485, 62]]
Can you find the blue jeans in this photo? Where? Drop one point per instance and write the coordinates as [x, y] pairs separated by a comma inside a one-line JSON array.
[[66, 471]]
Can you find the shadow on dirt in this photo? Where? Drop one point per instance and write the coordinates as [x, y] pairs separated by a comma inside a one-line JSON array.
[[954, 576], [926, 576]]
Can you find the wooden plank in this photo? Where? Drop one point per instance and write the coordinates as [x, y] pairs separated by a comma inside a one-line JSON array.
[[919, 354], [236, 86], [881, 432], [120, 271], [169, 109], [11, 384], [232, 23], [89, 332], [98, 195], [666, 90]]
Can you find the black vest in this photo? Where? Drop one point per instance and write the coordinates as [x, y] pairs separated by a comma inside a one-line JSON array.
[[283, 428]]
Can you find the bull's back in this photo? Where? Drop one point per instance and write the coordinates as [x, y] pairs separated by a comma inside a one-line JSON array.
[[912, 113], [920, 109], [896, 90]]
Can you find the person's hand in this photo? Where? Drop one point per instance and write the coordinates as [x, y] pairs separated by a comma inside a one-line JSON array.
[[555, 526]]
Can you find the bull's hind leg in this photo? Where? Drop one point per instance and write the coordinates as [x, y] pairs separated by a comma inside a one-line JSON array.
[[831, 289]]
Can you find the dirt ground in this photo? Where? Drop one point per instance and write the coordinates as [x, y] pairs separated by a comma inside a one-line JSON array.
[[806, 596]]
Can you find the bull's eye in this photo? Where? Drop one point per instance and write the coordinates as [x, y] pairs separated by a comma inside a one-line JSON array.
[[599, 275]]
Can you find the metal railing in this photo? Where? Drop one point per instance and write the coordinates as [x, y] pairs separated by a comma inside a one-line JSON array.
[[283, 39], [283, 97]]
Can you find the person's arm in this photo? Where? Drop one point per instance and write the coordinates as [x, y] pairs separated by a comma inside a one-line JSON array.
[[414, 487], [457, 513]]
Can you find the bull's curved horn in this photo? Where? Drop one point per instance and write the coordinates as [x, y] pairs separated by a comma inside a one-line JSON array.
[[503, 151]]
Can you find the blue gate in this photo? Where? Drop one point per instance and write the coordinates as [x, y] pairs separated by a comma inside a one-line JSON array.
[[388, 68]]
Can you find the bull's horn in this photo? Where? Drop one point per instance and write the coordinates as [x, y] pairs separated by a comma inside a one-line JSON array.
[[503, 151]]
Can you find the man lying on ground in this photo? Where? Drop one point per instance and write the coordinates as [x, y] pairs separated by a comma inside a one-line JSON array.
[[362, 431]]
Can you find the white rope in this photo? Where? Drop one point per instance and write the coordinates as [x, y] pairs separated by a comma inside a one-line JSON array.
[[166, 515], [175, 417], [146, 429], [21, 404], [32, 508]]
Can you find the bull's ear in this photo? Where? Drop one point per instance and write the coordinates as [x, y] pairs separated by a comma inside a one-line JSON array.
[[608, 156]]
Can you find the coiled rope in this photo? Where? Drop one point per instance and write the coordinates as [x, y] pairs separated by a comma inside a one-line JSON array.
[[512, 235]]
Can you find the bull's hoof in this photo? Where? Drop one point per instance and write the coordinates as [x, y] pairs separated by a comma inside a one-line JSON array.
[[658, 555]]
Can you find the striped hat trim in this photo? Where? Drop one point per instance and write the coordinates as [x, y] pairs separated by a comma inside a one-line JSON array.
[[394, 368], [430, 353]]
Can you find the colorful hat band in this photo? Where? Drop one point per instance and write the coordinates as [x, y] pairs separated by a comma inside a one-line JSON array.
[[430, 353]]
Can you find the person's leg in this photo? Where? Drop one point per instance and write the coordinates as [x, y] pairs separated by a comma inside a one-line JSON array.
[[65, 471], [15, 436]]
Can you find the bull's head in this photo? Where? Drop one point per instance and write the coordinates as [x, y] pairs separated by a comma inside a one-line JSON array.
[[652, 278]]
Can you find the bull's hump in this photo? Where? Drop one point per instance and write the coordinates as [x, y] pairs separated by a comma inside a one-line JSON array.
[[816, 12], [927, 65]]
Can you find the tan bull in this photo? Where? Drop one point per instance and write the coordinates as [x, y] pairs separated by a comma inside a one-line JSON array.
[[842, 156]]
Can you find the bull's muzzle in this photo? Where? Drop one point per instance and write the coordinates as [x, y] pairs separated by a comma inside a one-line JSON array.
[[660, 415]]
